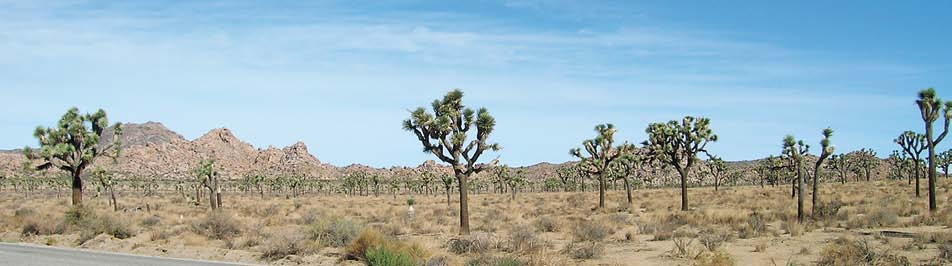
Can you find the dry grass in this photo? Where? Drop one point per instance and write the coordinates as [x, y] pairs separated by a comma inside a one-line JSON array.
[[734, 226]]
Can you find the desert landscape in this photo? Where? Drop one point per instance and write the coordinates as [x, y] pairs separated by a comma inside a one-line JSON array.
[[475, 133]]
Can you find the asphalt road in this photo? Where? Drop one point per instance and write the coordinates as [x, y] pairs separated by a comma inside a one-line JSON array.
[[23, 254]]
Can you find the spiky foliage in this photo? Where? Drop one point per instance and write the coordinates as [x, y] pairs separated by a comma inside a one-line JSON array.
[[716, 169], [677, 144], [74, 144], [913, 144], [629, 168], [107, 181], [793, 152], [826, 150], [513, 180], [444, 134], [569, 176], [600, 153], [842, 165], [207, 175], [770, 170], [944, 161], [929, 107], [866, 160], [253, 181], [447, 181]]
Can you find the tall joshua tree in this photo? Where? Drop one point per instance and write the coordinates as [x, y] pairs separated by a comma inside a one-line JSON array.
[[913, 144], [929, 106], [444, 134], [208, 176], [945, 160], [827, 149], [794, 151], [601, 152], [677, 144], [866, 160], [842, 164], [74, 144]]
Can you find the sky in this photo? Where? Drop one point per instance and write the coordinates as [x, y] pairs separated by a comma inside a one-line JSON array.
[[342, 75]]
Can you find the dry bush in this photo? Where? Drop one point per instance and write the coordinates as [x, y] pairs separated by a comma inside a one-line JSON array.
[[712, 239], [285, 243], [151, 221], [682, 247], [584, 250], [32, 226], [857, 252], [476, 243], [827, 210], [591, 231], [547, 224], [523, 240], [880, 217], [719, 258], [945, 252], [334, 231], [760, 247], [792, 227], [217, 225], [756, 225], [90, 224], [494, 261]]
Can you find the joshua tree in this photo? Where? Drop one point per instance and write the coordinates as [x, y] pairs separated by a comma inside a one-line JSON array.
[[447, 181], [898, 162], [444, 134], [601, 152], [945, 160], [623, 168], [254, 181], [913, 144], [929, 106], [74, 145], [107, 182], [716, 168], [842, 164], [866, 160], [567, 176], [769, 170], [208, 176], [677, 144], [794, 151], [375, 181], [826, 150], [512, 181]]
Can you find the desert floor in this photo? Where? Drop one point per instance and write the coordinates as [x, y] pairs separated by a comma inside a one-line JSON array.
[[880, 223]]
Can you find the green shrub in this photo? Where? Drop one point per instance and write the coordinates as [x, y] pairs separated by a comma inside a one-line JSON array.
[[334, 231], [382, 256]]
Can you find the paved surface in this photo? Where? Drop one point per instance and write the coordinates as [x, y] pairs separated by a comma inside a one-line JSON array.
[[23, 254]]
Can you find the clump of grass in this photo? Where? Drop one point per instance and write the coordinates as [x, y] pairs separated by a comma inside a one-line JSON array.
[[334, 231], [370, 242], [151, 221], [827, 210], [591, 231], [547, 224], [719, 258], [523, 240], [682, 247], [217, 225], [283, 244], [843, 251], [584, 250], [792, 227], [760, 247], [755, 226], [477, 243], [90, 224], [945, 252], [713, 239], [494, 261]]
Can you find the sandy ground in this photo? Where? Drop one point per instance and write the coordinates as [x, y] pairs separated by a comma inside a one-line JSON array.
[[635, 234]]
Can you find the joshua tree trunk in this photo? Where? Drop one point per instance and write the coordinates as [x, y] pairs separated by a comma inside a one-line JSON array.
[[77, 188], [684, 188], [628, 191], [816, 177], [601, 191], [112, 194], [931, 172], [463, 203], [917, 178], [218, 196], [448, 204], [799, 193]]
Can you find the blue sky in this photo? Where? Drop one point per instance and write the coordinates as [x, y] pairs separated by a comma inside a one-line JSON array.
[[340, 76]]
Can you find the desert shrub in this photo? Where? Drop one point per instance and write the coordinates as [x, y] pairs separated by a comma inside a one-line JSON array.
[[760, 247], [591, 231], [523, 240], [477, 243], [827, 210], [719, 258], [334, 231], [382, 256], [77, 215], [682, 247], [217, 225], [282, 245], [547, 224], [392, 250], [712, 239], [792, 227], [90, 224], [663, 234], [23, 212], [584, 250], [151, 221], [945, 252], [494, 261], [844, 251], [35, 226]]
